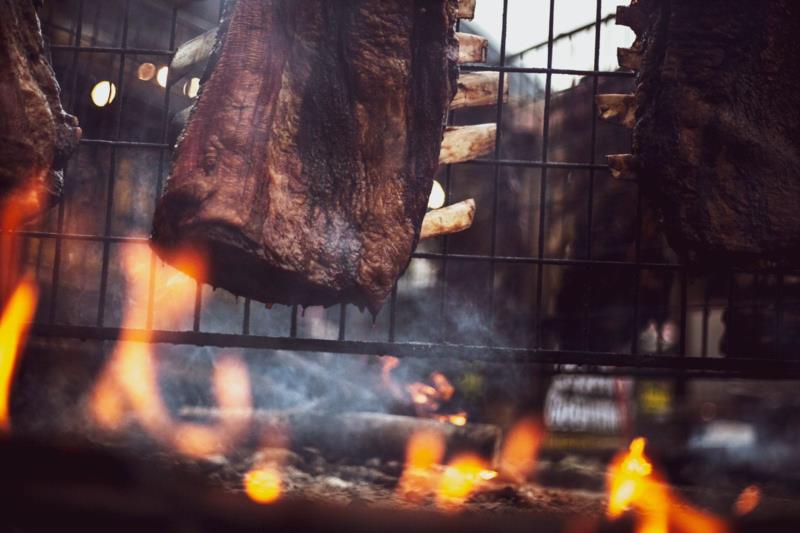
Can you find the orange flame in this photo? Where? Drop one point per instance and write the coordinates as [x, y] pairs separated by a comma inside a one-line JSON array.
[[263, 484], [13, 328], [634, 484], [424, 452], [129, 385], [426, 397], [520, 449]]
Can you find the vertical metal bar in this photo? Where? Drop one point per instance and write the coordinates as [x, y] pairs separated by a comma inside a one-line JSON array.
[[342, 321], [706, 316], [543, 179], [293, 325], [590, 208], [393, 314], [779, 313], [731, 312], [101, 308], [498, 147], [246, 319], [638, 273], [448, 173], [56, 279], [198, 305], [684, 310], [164, 136]]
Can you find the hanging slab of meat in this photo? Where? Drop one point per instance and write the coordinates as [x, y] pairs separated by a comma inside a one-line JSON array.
[[304, 171], [716, 119], [36, 135]]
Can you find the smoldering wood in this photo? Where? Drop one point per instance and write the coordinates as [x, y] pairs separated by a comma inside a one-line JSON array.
[[471, 48], [447, 220], [323, 202], [37, 136], [618, 108], [466, 143], [717, 133], [360, 436], [476, 89]]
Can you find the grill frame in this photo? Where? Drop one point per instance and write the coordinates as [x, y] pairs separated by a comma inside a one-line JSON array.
[[633, 363]]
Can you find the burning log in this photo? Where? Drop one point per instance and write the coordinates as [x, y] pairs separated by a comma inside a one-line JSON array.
[[361, 435], [451, 219]]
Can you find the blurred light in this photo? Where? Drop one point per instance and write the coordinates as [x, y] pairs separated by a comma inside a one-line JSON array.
[[161, 77], [192, 87], [147, 71], [263, 485], [437, 198], [104, 93]]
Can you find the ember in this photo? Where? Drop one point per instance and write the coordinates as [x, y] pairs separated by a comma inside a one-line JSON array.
[[263, 484], [427, 398]]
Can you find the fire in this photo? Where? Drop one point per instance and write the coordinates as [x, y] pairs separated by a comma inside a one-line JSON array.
[[520, 449], [460, 479], [748, 500], [424, 476], [633, 484], [129, 385], [13, 327], [427, 398], [263, 484], [424, 452]]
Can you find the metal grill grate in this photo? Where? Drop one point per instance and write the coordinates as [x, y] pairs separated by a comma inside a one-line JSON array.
[[73, 49]]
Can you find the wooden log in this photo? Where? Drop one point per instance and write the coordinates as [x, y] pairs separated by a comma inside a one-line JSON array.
[[447, 220], [358, 435], [477, 89], [623, 166], [471, 48], [465, 143], [618, 108], [192, 56], [633, 17], [466, 9], [629, 58]]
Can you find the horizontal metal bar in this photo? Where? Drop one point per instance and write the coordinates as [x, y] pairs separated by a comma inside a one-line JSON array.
[[730, 367], [124, 144], [545, 70], [111, 50], [546, 261], [537, 164]]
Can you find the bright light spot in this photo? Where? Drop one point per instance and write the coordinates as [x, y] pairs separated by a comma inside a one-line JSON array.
[[104, 93], [161, 77], [147, 71], [488, 475], [437, 198], [263, 485], [192, 87]]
